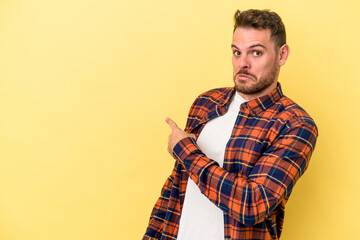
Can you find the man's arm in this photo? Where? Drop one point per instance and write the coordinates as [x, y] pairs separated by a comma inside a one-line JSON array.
[[250, 200]]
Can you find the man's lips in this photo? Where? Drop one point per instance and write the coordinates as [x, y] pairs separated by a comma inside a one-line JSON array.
[[244, 77]]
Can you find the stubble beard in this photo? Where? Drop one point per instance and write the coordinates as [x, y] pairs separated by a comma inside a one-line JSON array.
[[261, 85]]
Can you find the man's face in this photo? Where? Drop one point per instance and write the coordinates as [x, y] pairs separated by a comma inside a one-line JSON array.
[[255, 62]]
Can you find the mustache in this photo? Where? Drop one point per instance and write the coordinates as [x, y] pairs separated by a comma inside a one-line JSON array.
[[245, 72]]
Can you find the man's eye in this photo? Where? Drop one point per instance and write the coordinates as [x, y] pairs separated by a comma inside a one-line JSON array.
[[256, 53], [236, 53]]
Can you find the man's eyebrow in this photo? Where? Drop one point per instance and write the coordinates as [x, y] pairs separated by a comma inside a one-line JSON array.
[[252, 46], [257, 45]]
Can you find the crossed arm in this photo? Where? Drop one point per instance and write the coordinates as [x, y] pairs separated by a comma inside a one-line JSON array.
[[251, 199], [248, 199]]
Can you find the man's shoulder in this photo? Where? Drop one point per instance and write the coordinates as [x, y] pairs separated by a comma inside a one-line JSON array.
[[291, 112], [215, 95], [215, 91], [206, 103]]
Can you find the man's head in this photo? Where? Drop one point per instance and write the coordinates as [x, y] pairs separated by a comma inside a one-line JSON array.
[[259, 49], [262, 19]]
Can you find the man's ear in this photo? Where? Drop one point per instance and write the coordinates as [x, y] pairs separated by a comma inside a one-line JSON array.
[[283, 52]]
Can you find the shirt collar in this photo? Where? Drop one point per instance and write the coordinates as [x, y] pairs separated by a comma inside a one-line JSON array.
[[262, 103]]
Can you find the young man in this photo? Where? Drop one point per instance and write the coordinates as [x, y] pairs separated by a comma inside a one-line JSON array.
[[243, 148]]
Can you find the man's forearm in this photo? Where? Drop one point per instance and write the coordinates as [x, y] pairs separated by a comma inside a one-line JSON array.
[[249, 199]]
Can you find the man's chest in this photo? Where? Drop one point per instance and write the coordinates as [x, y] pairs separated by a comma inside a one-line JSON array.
[[246, 140]]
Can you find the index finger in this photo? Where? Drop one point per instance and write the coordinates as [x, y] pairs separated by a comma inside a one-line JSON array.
[[171, 123]]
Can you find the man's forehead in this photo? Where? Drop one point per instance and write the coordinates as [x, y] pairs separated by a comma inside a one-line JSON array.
[[246, 37]]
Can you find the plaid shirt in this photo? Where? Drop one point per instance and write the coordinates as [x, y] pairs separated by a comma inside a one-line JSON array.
[[269, 149]]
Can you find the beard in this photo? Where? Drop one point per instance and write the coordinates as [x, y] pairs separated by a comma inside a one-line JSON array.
[[261, 84]]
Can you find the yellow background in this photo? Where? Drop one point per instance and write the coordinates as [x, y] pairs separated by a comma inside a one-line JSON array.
[[85, 87]]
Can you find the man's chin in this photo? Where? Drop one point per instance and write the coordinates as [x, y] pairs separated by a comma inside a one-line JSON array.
[[245, 88]]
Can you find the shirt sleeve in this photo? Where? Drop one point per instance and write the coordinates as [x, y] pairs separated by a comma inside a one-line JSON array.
[[156, 223], [250, 199]]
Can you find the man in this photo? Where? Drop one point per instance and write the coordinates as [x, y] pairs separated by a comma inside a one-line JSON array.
[[243, 148]]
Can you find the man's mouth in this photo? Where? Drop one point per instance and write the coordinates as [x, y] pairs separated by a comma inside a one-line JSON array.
[[244, 77]]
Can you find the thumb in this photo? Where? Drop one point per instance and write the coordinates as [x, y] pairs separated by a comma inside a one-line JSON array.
[[171, 123]]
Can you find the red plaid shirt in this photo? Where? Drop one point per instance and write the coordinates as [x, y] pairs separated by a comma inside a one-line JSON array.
[[269, 149]]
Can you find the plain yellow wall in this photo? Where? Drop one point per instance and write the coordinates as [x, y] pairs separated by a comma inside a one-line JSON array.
[[85, 87]]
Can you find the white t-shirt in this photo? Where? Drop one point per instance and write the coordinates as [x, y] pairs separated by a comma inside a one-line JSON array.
[[200, 218]]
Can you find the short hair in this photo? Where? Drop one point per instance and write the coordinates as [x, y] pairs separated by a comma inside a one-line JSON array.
[[262, 19]]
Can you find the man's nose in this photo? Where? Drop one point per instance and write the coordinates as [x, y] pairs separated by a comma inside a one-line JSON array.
[[244, 62]]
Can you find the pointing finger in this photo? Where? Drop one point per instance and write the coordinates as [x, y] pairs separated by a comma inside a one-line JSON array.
[[171, 123]]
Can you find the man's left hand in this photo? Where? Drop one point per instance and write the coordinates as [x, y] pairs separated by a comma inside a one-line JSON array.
[[176, 135]]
